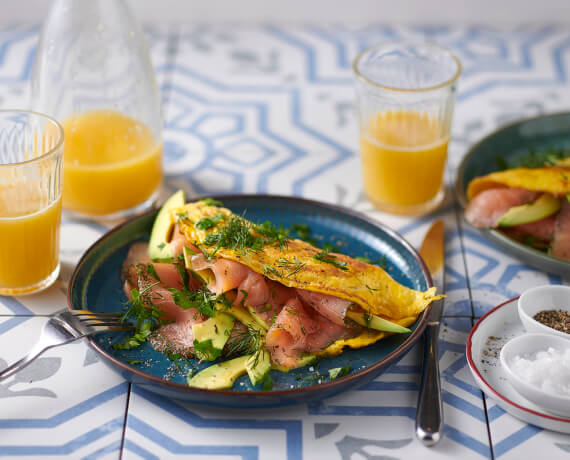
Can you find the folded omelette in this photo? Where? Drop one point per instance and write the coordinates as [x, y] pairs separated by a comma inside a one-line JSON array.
[[366, 285]]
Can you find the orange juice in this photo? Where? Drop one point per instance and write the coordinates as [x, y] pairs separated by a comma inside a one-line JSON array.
[[112, 163], [29, 240], [403, 159]]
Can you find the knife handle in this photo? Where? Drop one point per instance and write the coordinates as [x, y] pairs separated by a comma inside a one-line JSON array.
[[429, 416]]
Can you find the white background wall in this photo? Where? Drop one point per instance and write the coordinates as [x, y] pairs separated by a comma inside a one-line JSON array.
[[296, 11]]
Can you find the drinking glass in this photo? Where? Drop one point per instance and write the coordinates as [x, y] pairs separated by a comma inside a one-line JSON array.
[[93, 73], [31, 157], [405, 94]]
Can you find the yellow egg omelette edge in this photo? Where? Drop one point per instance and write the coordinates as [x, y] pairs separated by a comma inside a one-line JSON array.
[[368, 286], [554, 180]]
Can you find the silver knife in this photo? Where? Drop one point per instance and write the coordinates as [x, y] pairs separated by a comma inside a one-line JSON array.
[[429, 415]]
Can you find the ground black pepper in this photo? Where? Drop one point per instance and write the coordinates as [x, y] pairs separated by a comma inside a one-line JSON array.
[[556, 319]]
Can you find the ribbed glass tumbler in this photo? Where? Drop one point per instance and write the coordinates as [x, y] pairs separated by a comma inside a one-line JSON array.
[[31, 158], [406, 95]]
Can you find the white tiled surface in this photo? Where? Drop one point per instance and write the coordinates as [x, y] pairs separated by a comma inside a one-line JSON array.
[[266, 108]]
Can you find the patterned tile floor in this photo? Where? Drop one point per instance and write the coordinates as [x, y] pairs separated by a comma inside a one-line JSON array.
[[269, 109]]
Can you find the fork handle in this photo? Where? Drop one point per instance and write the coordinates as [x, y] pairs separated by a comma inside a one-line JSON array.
[[38, 348]]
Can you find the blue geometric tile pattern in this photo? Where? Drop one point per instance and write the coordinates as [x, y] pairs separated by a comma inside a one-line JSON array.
[[269, 109]]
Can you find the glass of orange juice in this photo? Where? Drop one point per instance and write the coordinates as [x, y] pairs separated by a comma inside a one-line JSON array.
[[31, 157], [406, 95], [93, 73]]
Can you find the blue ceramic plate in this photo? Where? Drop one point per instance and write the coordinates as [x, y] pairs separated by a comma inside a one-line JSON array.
[[509, 145], [95, 285]]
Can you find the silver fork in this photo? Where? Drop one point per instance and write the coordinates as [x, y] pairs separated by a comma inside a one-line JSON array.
[[64, 327]]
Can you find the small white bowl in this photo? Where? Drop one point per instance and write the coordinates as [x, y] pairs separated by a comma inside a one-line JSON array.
[[543, 298], [528, 344]]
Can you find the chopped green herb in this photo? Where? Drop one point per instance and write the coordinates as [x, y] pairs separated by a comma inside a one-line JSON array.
[[206, 351], [272, 234], [181, 268], [303, 230], [134, 362], [294, 266], [366, 260], [212, 202], [267, 382], [501, 163], [267, 307], [152, 272], [235, 235], [137, 339], [338, 372], [146, 315], [329, 247], [161, 245], [190, 374], [208, 222], [367, 318], [246, 342], [202, 300], [269, 270], [243, 299], [326, 257]]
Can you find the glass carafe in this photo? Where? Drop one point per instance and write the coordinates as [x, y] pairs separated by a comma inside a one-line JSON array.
[[93, 74]]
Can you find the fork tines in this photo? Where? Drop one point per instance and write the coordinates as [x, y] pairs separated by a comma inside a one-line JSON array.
[[97, 319]]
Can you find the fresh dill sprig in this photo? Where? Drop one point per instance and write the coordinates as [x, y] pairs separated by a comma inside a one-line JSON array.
[[243, 236], [246, 342], [272, 234], [294, 266], [234, 235], [269, 270], [326, 257]]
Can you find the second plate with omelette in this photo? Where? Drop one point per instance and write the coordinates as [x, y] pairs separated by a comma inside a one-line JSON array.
[[96, 284], [521, 143]]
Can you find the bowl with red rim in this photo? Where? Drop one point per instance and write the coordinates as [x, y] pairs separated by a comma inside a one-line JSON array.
[[538, 385]]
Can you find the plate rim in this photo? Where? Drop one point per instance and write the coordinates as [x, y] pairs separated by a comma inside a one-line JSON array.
[[492, 234], [475, 370], [355, 377]]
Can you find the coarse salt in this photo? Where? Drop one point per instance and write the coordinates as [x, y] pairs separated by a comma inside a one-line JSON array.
[[548, 370]]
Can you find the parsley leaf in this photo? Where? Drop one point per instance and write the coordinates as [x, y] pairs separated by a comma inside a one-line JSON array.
[[212, 202], [206, 351], [135, 340], [201, 300], [208, 222], [338, 372]]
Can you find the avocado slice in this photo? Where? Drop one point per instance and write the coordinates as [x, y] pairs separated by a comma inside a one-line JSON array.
[[159, 248], [205, 276], [241, 314], [304, 361], [257, 366], [375, 322], [545, 206], [211, 336], [221, 375], [258, 318]]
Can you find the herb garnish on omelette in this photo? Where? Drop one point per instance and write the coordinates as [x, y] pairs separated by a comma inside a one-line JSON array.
[[281, 301]]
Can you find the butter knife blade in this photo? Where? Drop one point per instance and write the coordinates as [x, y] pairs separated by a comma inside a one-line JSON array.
[[429, 415]]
